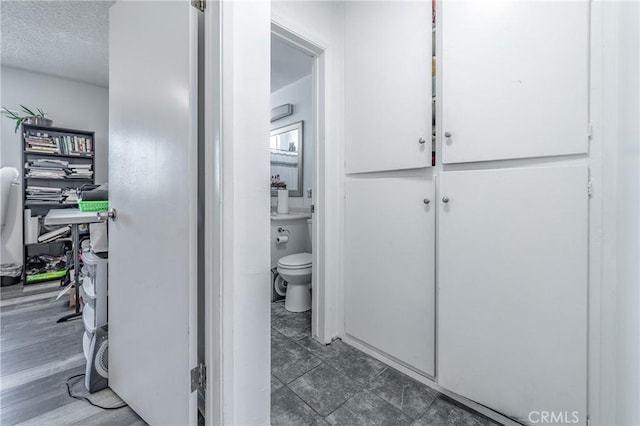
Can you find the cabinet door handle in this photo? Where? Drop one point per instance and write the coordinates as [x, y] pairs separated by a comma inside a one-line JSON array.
[[421, 141], [426, 201], [445, 199], [447, 134]]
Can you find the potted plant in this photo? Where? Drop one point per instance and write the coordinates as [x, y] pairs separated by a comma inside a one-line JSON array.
[[27, 116]]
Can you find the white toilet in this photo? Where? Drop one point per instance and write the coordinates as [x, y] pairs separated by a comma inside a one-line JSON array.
[[295, 269]]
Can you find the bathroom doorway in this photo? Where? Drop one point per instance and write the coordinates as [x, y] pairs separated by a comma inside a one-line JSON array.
[[296, 210]]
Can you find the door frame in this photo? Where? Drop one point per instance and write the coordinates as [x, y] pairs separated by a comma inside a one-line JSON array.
[[318, 284], [236, 109], [211, 181]]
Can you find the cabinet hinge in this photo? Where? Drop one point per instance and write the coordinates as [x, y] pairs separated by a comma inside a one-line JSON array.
[[199, 377], [590, 188], [199, 4], [589, 131]]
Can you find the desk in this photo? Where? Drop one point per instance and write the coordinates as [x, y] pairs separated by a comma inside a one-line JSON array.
[[73, 217]]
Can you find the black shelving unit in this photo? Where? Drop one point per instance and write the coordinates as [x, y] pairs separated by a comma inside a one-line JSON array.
[[42, 208]]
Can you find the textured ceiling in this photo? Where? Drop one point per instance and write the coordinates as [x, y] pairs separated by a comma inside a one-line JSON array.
[[288, 64], [71, 39], [64, 38]]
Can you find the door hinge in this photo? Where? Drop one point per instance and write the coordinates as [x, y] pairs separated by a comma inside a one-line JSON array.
[[199, 4], [313, 208], [590, 189], [589, 131], [199, 377]]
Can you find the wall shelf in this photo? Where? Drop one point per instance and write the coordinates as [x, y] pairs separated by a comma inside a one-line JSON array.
[[38, 135], [49, 154]]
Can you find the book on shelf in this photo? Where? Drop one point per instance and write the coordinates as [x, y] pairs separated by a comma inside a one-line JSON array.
[[40, 142], [75, 145]]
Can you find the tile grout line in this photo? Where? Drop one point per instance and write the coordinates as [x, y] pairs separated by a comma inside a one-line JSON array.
[[362, 385], [302, 374], [347, 400], [303, 401]]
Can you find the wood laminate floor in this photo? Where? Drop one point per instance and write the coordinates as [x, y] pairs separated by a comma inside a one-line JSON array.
[[37, 355]]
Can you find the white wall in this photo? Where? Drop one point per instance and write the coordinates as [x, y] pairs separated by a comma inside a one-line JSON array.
[[239, 105], [620, 209], [628, 209], [298, 94], [69, 104]]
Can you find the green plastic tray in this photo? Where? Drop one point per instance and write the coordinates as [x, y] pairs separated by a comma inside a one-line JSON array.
[[93, 206], [46, 276]]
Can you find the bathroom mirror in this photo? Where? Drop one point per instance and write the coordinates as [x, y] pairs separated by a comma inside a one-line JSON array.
[[286, 157]]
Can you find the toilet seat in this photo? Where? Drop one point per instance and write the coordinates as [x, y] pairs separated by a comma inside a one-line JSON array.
[[296, 270], [295, 261]]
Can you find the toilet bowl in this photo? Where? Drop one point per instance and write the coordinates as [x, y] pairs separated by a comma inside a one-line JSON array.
[[295, 269]]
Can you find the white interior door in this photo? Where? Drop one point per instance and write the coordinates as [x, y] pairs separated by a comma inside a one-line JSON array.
[[153, 187], [514, 79], [388, 85], [390, 252], [512, 323]]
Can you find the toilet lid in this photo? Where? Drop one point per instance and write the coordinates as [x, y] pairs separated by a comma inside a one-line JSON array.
[[296, 261]]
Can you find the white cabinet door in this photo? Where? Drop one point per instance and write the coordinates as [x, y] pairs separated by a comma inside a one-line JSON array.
[[153, 187], [390, 249], [512, 268], [514, 79], [388, 85]]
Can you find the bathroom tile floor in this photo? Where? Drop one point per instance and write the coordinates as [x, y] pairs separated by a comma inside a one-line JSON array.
[[336, 384]]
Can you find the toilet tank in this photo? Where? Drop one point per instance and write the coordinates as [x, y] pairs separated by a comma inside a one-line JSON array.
[[298, 231]]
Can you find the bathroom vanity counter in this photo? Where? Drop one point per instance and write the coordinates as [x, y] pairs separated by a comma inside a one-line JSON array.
[[289, 216]]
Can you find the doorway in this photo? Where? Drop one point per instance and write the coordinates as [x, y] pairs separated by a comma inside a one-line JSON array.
[[297, 67]]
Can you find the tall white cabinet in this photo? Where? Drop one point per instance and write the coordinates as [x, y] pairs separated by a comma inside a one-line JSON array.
[[390, 208], [511, 212], [513, 240]]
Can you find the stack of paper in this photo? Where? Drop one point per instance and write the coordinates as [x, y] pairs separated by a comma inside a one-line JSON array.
[[70, 196], [50, 236], [43, 194], [57, 169], [46, 169], [80, 171]]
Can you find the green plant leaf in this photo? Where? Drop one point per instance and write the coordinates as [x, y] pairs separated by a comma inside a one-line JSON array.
[[41, 112], [7, 112], [18, 123], [28, 111]]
